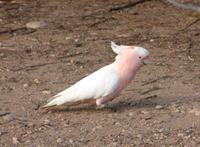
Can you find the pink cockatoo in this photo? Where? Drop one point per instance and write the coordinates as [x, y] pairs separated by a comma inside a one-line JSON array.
[[106, 83]]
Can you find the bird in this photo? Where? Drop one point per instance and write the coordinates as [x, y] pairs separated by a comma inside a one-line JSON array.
[[105, 84]]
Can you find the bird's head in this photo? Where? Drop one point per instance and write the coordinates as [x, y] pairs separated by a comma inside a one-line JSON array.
[[142, 54], [130, 53]]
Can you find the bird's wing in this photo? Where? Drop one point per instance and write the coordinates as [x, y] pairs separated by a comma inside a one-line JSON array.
[[98, 84]]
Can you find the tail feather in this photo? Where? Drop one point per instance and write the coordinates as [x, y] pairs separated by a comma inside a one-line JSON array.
[[52, 98], [50, 103], [54, 101], [60, 98]]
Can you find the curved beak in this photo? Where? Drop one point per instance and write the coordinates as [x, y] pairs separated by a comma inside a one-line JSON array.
[[146, 61]]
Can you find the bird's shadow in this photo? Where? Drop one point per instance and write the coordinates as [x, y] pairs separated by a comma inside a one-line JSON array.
[[120, 106]]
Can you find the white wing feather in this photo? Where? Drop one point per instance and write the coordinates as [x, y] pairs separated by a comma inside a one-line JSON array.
[[98, 84]]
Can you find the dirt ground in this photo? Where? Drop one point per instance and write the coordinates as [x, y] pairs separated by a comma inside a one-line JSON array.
[[161, 107]]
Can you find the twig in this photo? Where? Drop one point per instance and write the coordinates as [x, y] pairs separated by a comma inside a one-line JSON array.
[[150, 90], [4, 113], [32, 66], [131, 4], [184, 6], [93, 14], [72, 55], [155, 80], [100, 21], [16, 31], [189, 25], [189, 49], [2, 133], [150, 97]]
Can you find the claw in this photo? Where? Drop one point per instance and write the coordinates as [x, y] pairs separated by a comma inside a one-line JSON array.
[[99, 107]]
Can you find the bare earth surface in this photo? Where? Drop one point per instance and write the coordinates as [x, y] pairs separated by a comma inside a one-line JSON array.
[[161, 107]]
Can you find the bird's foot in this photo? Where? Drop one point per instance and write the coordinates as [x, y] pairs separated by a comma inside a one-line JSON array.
[[99, 107]]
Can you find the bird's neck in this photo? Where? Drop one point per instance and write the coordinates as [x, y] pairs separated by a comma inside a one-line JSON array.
[[127, 69]]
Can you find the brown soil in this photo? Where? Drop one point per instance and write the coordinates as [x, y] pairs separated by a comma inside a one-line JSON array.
[[161, 107]]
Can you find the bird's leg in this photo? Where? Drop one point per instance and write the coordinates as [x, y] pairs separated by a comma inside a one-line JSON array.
[[102, 102]]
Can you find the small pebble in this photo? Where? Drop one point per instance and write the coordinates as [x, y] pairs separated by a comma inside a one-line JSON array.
[[71, 61], [189, 131], [47, 92], [59, 140], [67, 38], [30, 124], [180, 134], [159, 107], [36, 81], [144, 112], [165, 131], [27, 141], [117, 123], [96, 128], [114, 144], [36, 24], [46, 122], [71, 141], [15, 140], [130, 114], [76, 40], [2, 54], [139, 136], [195, 111], [52, 55], [151, 40], [25, 85]]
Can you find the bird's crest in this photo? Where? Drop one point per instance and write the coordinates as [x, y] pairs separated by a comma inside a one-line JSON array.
[[116, 48]]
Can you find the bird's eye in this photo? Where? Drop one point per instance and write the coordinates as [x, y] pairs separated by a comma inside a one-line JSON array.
[[140, 57]]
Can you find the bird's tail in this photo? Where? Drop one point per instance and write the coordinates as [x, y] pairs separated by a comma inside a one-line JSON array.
[[52, 101], [58, 99]]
